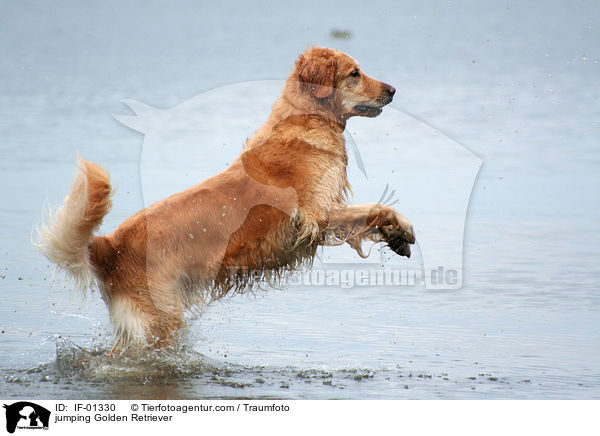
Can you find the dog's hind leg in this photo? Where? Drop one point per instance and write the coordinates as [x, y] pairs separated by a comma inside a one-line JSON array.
[[167, 310], [145, 315]]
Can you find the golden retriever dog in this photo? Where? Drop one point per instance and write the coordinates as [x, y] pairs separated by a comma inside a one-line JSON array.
[[257, 221]]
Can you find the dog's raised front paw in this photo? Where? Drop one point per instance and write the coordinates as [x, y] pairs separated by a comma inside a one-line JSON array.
[[398, 240], [397, 230]]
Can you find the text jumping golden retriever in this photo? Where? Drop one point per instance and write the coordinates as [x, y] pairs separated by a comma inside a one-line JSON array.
[[258, 220]]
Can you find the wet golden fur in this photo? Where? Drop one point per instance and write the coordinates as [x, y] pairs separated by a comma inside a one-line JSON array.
[[258, 220]]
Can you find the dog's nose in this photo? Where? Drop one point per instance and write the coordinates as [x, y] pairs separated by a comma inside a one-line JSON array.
[[391, 90]]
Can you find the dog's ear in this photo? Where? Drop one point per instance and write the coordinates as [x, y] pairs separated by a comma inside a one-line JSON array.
[[318, 72]]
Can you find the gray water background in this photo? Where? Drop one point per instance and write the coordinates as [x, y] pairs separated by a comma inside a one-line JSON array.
[[514, 82]]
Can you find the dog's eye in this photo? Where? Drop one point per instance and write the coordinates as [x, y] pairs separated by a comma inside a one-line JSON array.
[[355, 73]]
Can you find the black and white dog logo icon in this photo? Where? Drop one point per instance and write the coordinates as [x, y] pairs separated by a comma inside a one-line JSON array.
[[26, 415]]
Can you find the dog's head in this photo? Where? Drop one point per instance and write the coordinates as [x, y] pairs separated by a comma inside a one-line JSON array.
[[334, 80]]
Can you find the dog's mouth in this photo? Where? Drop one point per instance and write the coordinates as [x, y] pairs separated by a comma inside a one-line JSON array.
[[368, 110]]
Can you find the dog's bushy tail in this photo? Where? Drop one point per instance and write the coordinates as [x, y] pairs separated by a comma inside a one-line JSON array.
[[65, 237]]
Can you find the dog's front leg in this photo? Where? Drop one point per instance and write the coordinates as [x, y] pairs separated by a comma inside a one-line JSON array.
[[375, 222]]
